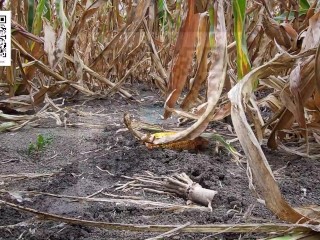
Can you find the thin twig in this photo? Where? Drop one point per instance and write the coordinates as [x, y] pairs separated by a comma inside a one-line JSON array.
[[105, 170], [95, 193]]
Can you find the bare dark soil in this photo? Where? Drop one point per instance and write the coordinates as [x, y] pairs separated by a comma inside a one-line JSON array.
[[76, 154]]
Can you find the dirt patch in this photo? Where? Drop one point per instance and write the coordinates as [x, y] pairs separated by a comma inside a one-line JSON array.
[[77, 154]]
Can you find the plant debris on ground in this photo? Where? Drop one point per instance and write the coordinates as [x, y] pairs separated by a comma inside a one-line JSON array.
[[184, 119]]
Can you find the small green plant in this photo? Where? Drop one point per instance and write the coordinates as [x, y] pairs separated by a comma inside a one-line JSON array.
[[41, 142]]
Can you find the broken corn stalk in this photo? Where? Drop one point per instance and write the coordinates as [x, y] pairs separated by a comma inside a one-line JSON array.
[[194, 144]]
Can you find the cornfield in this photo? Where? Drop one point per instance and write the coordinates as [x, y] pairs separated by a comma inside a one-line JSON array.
[[255, 63]]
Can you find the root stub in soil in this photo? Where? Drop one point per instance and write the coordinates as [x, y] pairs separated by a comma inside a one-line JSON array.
[[178, 184]]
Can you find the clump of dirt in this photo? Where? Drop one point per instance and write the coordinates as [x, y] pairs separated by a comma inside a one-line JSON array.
[[97, 154]]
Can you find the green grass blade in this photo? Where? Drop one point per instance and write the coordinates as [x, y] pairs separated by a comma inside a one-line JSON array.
[[40, 142], [243, 62], [211, 31], [161, 7], [223, 142], [47, 10], [303, 9], [30, 17], [61, 14], [37, 22], [304, 4]]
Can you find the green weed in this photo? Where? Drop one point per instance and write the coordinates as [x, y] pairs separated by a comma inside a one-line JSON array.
[[39, 145]]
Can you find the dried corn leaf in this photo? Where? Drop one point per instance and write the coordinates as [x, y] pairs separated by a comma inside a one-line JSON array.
[[7, 117], [317, 69], [6, 126], [81, 23], [131, 27], [243, 62], [306, 90], [255, 35], [262, 174], [183, 53], [216, 80], [62, 39], [312, 38], [78, 65], [156, 57], [49, 41], [295, 86], [275, 32], [202, 51]]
